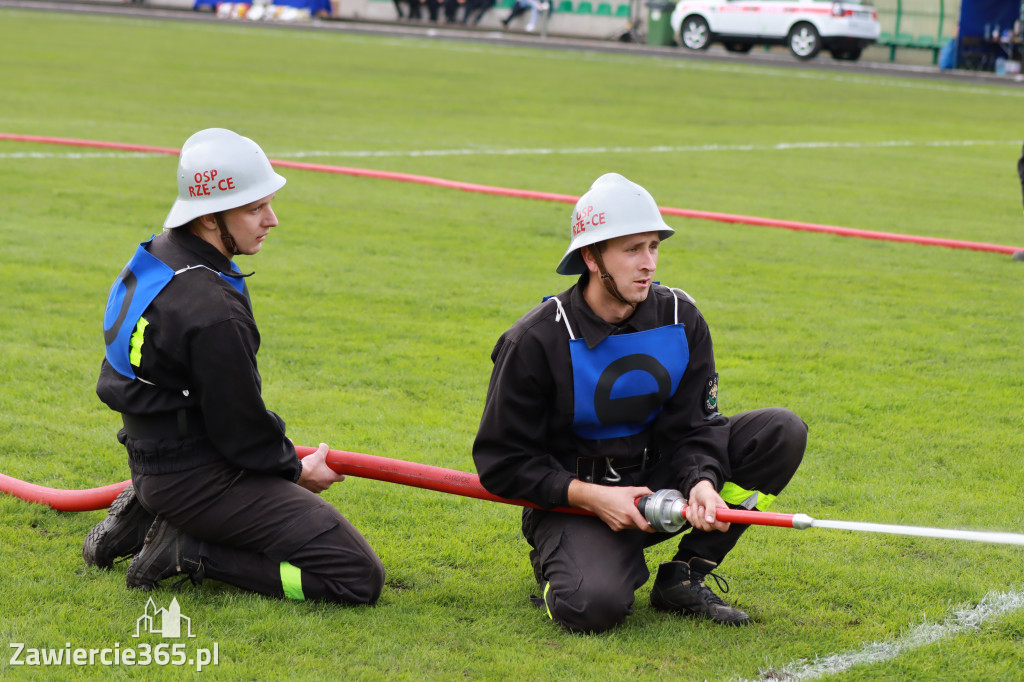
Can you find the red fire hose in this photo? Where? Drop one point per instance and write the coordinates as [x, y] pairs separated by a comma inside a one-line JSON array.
[[347, 463], [373, 467], [62, 500], [665, 509], [468, 485]]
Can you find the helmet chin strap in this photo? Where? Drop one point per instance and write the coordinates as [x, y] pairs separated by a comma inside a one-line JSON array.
[[607, 281], [225, 236]]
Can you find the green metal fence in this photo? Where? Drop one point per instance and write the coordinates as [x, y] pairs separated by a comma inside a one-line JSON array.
[[917, 24]]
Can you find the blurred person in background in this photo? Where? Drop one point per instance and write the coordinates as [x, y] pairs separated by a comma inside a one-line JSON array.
[[521, 7], [1019, 255]]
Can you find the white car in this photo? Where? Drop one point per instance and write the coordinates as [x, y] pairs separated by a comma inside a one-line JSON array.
[[843, 27]]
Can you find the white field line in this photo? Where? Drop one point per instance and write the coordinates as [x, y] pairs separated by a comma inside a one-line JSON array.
[[546, 151], [993, 605]]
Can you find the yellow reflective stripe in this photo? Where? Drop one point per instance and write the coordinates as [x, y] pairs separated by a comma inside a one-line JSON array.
[[733, 494], [291, 581], [135, 343], [546, 607]]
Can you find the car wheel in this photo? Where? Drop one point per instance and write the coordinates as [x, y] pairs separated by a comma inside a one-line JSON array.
[[804, 41], [695, 34], [739, 47], [850, 55]]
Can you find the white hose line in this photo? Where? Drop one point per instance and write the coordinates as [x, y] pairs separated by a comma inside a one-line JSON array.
[[918, 531]]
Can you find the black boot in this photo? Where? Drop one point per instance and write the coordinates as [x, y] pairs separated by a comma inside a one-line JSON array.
[[121, 534], [680, 587], [168, 552]]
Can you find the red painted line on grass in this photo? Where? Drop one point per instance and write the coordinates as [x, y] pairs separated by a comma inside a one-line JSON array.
[[428, 180], [66, 141], [842, 231], [548, 196]]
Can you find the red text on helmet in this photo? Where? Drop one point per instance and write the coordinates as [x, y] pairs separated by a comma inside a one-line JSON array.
[[586, 217], [205, 182]]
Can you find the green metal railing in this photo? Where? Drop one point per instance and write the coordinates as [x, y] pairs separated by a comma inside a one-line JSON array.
[[918, 15]]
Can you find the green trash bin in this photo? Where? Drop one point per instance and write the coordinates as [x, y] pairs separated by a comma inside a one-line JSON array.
[[659, 26]]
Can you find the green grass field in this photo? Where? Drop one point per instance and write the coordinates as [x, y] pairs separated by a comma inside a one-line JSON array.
[[379, 303]]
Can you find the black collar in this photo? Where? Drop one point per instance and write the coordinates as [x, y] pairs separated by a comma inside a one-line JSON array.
[[206, 252], [594, 329]]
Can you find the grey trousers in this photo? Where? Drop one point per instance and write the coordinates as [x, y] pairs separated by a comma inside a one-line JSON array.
[[249, 524], [590, 573]]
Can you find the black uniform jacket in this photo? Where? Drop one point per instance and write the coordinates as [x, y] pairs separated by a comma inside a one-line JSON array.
[[199, 354], [524, 448]]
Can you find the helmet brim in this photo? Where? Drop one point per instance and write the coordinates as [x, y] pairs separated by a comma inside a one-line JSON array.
[[183, 211]]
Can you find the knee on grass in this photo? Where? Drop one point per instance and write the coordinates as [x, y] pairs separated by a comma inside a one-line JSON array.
[[364, 591], [591, 610]]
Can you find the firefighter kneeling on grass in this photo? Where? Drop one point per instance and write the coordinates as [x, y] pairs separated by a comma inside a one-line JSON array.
[[607, 392], [217, 489]]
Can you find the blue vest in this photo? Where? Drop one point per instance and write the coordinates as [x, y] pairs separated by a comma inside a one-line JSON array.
[[621, 385], [142, 279]]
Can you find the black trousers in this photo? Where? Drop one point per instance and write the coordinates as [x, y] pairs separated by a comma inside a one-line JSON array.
[[590, 573], [249, 524], [477, 7], [433, 7]]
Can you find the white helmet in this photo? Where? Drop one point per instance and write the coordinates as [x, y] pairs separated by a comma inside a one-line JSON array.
[[612, 207], [218, 170]]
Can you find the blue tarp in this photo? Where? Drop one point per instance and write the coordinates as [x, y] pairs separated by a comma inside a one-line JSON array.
[[975, 48], [975, 15]]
